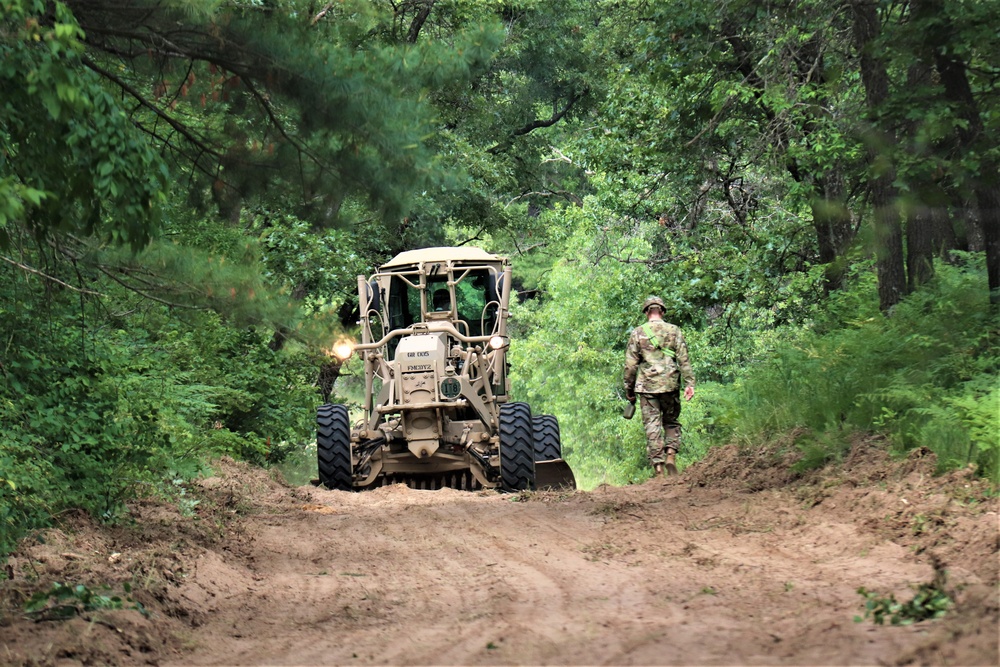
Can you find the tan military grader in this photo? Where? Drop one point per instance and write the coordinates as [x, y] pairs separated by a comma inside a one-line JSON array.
[[436, 410]]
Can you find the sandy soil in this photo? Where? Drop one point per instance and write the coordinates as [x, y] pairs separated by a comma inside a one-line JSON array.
[[734, 563]]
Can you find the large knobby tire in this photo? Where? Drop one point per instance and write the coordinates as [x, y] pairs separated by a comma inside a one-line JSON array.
[[546, 436], [517, 461], [333, 447]]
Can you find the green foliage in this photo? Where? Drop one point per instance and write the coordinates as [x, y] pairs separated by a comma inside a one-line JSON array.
[[101, 399], [926, 376], [68, 149], [568, 356], [503, 130], [62, 601], [141, 332], [929, 601]]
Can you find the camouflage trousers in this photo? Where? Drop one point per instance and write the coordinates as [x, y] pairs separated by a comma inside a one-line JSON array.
[[659, 417]]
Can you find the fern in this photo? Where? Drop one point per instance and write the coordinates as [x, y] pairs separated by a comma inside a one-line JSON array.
[[926, 376]]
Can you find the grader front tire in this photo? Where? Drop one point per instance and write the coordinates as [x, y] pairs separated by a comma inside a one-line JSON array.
[[517, 461], [333, 447]]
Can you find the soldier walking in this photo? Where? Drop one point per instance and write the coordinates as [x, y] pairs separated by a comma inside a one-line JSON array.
[[656, 359]]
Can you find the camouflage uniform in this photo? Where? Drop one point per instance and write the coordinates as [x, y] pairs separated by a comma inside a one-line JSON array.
[[654, 373]]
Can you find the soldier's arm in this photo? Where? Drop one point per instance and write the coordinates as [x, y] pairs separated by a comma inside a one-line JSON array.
[[632, 359], [684, 361]]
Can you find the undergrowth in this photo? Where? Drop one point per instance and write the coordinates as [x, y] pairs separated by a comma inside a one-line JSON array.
[[929, 601], [923, 376], [61, 601], [103, 400]]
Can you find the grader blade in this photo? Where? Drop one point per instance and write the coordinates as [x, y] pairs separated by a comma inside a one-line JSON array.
[[554, 475]]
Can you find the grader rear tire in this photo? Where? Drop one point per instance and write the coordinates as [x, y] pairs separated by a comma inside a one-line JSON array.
[[333, 447], [546, 436], [517, 461]]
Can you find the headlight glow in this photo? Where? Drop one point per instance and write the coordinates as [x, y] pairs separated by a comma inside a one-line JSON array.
[[343, 349], [497, 342]]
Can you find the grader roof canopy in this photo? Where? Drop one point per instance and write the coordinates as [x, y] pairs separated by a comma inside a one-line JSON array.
[[459, 254]]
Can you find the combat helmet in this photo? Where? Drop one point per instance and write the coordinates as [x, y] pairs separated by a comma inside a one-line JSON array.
[[654, 301]]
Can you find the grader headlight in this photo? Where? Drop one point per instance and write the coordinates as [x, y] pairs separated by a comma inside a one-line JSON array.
[[343, 349], [499, 342]]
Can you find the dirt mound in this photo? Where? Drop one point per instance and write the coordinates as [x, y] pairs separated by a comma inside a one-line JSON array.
[[738, 561], [141, 561]]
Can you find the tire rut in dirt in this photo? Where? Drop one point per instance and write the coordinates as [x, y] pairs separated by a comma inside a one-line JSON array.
[[517, 461], [548, 446], [333, 447]]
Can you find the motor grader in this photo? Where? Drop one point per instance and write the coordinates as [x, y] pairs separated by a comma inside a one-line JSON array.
[[436, 410]]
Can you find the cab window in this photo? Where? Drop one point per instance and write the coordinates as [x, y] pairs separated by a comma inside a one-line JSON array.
[[473, 294]]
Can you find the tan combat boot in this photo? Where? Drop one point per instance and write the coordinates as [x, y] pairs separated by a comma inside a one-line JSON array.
[[657, 470], [671, 463]]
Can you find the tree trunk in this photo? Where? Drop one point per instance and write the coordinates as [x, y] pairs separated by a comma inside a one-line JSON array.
[[972, 139], [329, 371], [888, 228], [919, 247], [920, 219], [834, 231], [989, 212], [987, 193], [930, 232], [282, 334], [973, 230], [943, 236], [418, 21]]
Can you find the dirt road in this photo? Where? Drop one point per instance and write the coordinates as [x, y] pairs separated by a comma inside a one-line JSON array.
[[699, 570]]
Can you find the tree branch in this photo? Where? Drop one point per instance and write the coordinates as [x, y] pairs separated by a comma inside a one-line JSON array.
[[418, 21], [565, 194], [144, 294], [179, 127], [319, 17], [25, 267], [537, 124]]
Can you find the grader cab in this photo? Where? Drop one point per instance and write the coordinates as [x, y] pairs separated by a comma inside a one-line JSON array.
[[436, 409]]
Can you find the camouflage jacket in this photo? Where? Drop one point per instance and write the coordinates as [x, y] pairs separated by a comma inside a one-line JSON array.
[[657, 370]]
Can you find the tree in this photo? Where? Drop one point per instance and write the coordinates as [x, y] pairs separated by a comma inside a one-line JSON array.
[[888, 228], [776, 86], [500, 127], [957, 46], [137, 319], [302, 100], [68, 150]]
